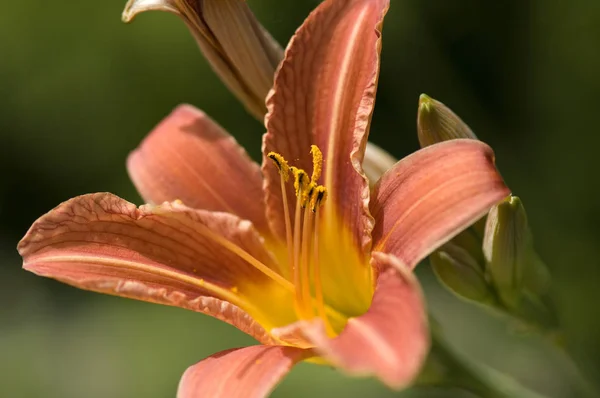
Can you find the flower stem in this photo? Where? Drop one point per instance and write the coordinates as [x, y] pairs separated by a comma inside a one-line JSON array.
[[446, 368], [543, 320]]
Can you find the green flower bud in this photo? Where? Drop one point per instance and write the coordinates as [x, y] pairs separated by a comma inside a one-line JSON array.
[[460, 273], [507, 247], [437, 123]]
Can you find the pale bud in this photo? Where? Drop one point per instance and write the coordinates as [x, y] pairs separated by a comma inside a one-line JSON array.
[[376, 162], [437, 123], [506, 247], [237, 46]]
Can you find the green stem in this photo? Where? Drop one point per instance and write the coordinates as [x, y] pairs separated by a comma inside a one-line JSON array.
[[447, 369], [546, 324]]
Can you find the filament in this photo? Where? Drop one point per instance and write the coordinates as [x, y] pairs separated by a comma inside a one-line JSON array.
[[305, 261], [288, 226]]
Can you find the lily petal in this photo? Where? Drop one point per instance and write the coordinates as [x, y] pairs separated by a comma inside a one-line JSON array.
[[169, 254], [250, 372], [430, 196], [324, 94], [238, 48], [191, 158], [391, 339]]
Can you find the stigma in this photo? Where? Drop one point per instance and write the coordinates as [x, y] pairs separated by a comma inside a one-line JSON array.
[[302, 235]]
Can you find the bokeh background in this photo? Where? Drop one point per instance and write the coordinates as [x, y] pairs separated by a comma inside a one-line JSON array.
[[79, 90]]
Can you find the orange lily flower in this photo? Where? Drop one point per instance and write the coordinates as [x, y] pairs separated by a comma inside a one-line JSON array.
[[302, 255]]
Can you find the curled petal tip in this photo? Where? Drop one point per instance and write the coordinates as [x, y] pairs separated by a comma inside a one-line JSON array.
[[134, 7]]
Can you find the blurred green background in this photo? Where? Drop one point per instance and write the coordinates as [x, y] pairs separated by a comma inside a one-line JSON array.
[[79, 90]]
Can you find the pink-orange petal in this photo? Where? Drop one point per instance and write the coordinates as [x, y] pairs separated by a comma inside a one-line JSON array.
[[190, 157], [391, 340], [168, 254], [250, 372], [430, 196], [324, 94]]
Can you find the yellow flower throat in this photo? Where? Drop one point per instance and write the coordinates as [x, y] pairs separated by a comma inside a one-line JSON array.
[[303, 239]]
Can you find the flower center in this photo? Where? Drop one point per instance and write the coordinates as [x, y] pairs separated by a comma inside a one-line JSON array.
[[302, 236]]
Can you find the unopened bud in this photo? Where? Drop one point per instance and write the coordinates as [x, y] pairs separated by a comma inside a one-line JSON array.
[[237, 46], [460, 273], [507, 247], [437, 123]]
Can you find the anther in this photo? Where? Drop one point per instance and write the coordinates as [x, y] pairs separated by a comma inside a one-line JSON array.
[[281, 164], [301, 181], [318, 197], [317, 163]]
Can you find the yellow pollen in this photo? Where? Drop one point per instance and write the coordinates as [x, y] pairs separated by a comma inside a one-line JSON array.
[[281, 164], [318, 197], [317, 163], [308, 194], [234, 289], [301, 184]]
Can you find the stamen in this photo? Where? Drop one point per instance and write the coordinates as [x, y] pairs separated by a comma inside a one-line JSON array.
[[282, 166], [306, 274], [317, 163], [301, 184], [301, 279]]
